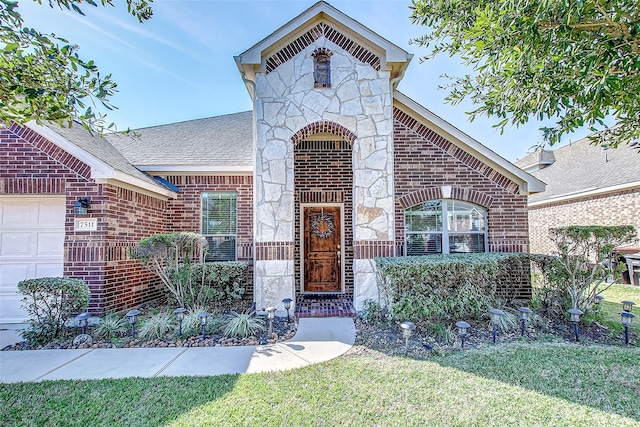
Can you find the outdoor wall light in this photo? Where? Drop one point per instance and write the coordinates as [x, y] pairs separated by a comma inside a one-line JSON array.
[[407, 330], [179, 312], [81, 206], [83, 321], [524, 316], [626, 318], [575, 318], [463, 331], [287, 306], [628, 306], [495, 319], [133, 317], [271, 314], [203, 321]]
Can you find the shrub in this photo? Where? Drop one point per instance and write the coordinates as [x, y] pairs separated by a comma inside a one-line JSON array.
[[157, 326], [373, 312], [111, 326], [191, 323], [442, 288], [242, 325], [508, 321], [170, 256], [218, 284], [582, 262], [178, 259], [443, 335], [50, 301], [585, 259]]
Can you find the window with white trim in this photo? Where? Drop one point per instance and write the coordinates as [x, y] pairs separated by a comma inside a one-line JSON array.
[[445, 226], [219, 225]]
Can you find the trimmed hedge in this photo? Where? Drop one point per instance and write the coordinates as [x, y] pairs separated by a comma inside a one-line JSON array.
[[452, 286], [50, 301], [224, 284]]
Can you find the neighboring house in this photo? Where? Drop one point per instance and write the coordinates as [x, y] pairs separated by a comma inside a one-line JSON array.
[[586, 185], [332, 168]]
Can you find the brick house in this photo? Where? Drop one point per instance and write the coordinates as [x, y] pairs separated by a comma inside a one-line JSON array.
[[586, 185], [332, 168]]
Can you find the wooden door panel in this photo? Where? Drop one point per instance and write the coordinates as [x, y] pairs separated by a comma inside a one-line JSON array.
[[322, 250]]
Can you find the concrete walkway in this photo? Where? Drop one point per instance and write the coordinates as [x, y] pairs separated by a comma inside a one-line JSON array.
[[317, 340]]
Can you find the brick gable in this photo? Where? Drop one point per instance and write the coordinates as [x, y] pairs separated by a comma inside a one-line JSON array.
[[425, 161]]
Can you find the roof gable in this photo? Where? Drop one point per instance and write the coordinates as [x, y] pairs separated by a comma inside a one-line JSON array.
[[322, 20]]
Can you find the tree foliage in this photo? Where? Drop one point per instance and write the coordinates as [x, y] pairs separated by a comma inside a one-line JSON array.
[[43, 78], [585, 259], [576, 62]]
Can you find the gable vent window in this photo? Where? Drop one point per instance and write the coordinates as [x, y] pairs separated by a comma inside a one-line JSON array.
[[322, 67], [219, 225], [445, 226]]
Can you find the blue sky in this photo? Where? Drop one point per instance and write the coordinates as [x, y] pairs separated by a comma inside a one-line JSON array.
[[179, 65]]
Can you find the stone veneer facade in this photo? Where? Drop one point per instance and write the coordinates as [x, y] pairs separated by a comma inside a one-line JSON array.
[[359, 104]]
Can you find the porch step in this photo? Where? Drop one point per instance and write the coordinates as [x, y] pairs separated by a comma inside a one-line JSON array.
[[324, 306]]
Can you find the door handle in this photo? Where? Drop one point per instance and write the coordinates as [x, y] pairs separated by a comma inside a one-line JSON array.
[[338, 257]]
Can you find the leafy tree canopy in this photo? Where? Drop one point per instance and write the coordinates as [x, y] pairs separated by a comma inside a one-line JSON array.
[[42, 77], [576, 62]]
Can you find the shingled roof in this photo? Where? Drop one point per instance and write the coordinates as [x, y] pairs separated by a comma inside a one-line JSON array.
[[100, 149], [582, 169], [217, 143]]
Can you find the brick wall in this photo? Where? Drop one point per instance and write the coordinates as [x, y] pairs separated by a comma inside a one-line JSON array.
[[32, 165], [184, 213], [621, 208], [424, 161]]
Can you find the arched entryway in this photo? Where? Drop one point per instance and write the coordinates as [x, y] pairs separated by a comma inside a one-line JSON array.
[[323, 182]]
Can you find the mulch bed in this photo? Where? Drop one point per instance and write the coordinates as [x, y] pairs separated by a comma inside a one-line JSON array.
[[282, 331], [388, 338]]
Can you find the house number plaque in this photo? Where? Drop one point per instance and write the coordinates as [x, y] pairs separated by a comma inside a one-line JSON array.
[[86, 224]]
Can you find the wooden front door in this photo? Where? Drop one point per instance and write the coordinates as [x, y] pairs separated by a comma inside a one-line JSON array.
[[322, 249]]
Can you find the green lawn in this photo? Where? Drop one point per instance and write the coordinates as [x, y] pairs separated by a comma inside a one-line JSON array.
[[611, 306], [550, 384]]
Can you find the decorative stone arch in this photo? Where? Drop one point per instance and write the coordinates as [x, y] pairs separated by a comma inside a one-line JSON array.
[[445, 192], [323, 126]]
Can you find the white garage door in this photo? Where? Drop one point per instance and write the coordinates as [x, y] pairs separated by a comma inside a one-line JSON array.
[[31, 245]]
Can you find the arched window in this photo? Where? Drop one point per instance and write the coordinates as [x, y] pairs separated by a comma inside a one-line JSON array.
[[445, 226], [322, 67]]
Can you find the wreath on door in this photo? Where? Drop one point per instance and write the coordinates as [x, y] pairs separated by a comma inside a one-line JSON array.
[[323, 226]]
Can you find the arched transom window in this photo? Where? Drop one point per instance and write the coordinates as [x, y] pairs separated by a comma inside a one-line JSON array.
[[445, 226]]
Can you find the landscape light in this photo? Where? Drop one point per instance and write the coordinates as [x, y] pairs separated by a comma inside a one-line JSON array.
[[627, 306], [407, 330], [287, 305], [626, 318], [575, 318], [495, 319], [271, 314], [83, 321], [133, 317], [463, 331], [203, 322], [179, 312], [524, 316]]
